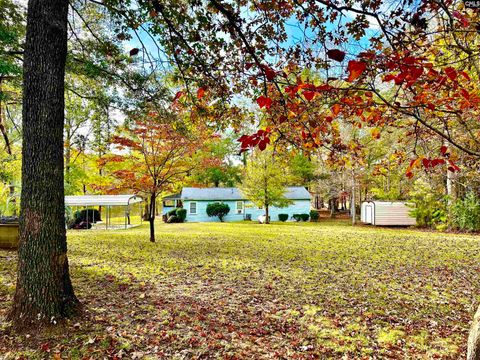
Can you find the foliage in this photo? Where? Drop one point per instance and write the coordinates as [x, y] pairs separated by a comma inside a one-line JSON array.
[[314, 215], [283, 217], [264, 181], [90, 215], [300, 217], [465, 213], [159, 152], [303, 281], [428, 208], [218, 209], [181, 214]]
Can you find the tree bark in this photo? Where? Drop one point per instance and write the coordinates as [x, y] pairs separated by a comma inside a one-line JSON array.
[[44, 292], [267, 217], [473, 350], [151, 216]]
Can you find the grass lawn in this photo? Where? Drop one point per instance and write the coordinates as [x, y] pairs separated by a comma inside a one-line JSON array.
[[238, 290]]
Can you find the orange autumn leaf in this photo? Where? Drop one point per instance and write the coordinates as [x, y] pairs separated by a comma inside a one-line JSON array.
[[355, 69], [336, 109]]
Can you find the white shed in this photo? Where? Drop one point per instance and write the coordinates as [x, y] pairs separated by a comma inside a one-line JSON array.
[[386, 213]]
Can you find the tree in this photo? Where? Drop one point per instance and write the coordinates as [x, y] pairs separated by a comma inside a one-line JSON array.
[[264, 181], [44, 293], [218, 209], [160, 154]]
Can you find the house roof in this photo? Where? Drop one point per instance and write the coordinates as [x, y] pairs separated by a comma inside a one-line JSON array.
[[189, 193], [102, 200], [172, 196]]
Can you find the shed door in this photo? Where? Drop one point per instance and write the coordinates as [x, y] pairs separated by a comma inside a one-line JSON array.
[[369, 214]]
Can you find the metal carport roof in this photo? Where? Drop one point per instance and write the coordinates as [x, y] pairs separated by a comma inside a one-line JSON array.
[[102, 200]]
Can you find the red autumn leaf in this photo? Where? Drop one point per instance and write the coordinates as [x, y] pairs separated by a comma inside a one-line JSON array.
[[309, 95], [389, 77], [248, 65], [465, 75], [336, 109], [436, 162], [265, 102], [355, 69], [451, 73], [200, 93], [461, 18], [134, 51], [453, 167], [262, 145], [444, 150], [409, 174], [426, 163], [153, 13], [335, 54], [178, 95], [269, 73]]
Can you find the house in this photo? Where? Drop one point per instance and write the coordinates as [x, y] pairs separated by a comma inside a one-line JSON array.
[[195, 201]]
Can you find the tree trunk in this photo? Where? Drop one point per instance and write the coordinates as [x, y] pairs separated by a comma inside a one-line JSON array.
[[151, 217], [267, 217], [473, 350], [44, 293], [353, 205]]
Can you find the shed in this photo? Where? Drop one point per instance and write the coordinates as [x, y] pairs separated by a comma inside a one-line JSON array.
[[118, 210], [386, 213]]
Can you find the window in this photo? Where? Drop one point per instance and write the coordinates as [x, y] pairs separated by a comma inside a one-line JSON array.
[[193, 208], [239, 207]]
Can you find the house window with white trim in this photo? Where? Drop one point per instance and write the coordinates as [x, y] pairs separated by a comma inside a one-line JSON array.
[[239, 207], [193, 208]]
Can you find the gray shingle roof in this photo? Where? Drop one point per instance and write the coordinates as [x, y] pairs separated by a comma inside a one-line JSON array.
[[189, 193]]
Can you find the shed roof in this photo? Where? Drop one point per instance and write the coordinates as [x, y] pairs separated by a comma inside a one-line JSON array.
[[102, 200], [189, 193]]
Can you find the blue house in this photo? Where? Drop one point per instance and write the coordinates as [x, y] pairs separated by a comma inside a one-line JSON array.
[[195, 201]]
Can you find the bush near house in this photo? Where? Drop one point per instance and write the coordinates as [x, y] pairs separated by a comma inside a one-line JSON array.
[[218, 209], [314, 215], [283, 217], [181, 214], [177, 215], [302, 217]]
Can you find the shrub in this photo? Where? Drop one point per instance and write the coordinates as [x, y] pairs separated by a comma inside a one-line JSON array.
[[304, 217], [283, 217], [88, 215], [314, 215], [172, 212], [296, 217], [181, 214], [466, 213], [174, 219], [429, 209], [218, 209]]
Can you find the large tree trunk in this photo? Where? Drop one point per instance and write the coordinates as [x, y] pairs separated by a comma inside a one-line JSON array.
[[267, 216], [44, 293], [473, 351]]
